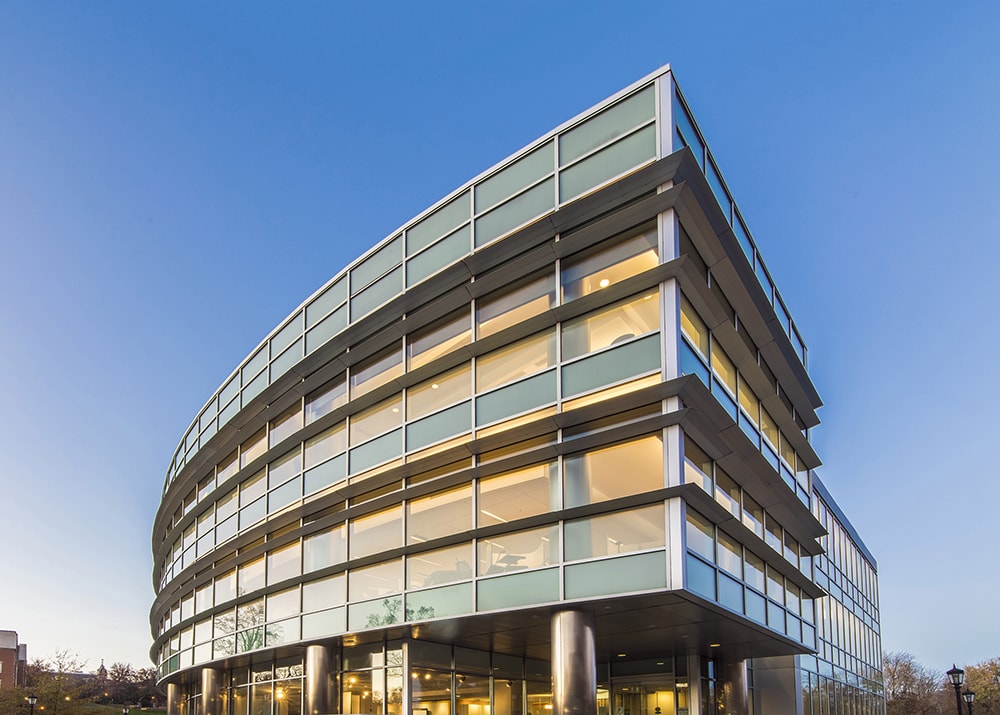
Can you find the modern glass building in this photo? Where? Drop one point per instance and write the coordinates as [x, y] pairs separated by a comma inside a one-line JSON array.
[[544, 448]]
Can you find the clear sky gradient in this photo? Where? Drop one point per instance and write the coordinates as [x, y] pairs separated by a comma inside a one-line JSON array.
[[175, 178]]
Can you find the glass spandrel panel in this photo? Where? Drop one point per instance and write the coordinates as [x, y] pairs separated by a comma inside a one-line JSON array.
[[519, 210], [510, 306], [624, 575], [323, 623], [439, 391], [284, 495], [284, 362], [700, 577], [440, 514], [618, 533], [608, 163], [510, 180], [435, 568], [326, 329], [756, 607], [611, 366], [286, 336], [377, 419], [443, 253], [376, 451], [373, 614], [253, 367], [378, 293], [517, 495], [753, 571], [596, 476], [447, 423], [445, 220], [613, 262], [376, 371], [325, 302], [284, 468], [374, 581], [518, 590], [325, 445], [612, 325], [323, 549], [432, 342], [377, 264], [506, 553], [511, 362], [326, 400], [326, 474], [321, 594], [375, 533], [282, 604], [614, 121], [700, 535], [255, 387], [439, 602], [517, 398]]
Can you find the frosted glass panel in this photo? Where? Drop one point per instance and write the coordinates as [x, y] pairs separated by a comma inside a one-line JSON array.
[[522, 173], [377, 264], [630, 573], [612, 122], [447, 423], [612, 365], [444, 220], [514, 399], [506, 217], [518, 590], [608, 163], [438, 602], [443, 253]]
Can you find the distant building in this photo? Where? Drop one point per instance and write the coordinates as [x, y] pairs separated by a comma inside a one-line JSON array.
[[543, 450], [13, 661]]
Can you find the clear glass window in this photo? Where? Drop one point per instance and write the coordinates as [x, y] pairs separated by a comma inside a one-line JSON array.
[[434, 568], [768, 427], [700, 535], [253, 447], [375, 533], [730, 555], [516, 495], [596, 476], [753, 571], [511, 362], [727, 492], [507, 553], [376, 371], [226, 506], [440, 514], [252, 488], [612, 325], [374, 581], [749, 402], [376, 420], [282, 604], [697, 465], [326, 399], [618, 533], [724, 368], [693, 327], [439, 391], [327, 592], [284, 563], [251, 576], [325, 445], [510, 306], [592, 271], [324, 549], [285, 424], [284, 468], [432, 342], [753, 516]]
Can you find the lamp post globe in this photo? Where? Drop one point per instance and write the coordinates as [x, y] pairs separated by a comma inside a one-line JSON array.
[[969, 696], [957, 676], [31, 703]]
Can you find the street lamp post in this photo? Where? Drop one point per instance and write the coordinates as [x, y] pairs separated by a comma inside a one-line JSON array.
[[125, 710], [969, 696], [957, 677], [31, 703]]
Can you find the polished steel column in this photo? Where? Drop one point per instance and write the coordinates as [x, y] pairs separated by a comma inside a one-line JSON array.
[[734, 687], [574, 664], [173, 699], [319, 681], [210, 703]]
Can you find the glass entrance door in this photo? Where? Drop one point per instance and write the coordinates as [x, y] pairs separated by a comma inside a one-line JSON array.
[[643, 697]]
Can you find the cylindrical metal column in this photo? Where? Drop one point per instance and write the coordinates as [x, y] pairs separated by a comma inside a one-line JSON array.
[[210, 704], [574, 664], [319, 681], [734, 687], [173, 699]]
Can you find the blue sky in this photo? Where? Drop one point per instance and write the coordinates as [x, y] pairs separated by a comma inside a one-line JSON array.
[[175, 178]]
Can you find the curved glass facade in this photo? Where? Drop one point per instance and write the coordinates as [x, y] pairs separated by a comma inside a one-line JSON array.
[[566, 394]]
